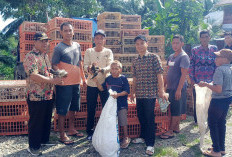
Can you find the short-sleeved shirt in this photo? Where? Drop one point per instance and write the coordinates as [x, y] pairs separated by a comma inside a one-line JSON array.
[[37, 63], [145, 70], [174, 72], [68, 57], [119, 85], [202, 64], [223, 77]]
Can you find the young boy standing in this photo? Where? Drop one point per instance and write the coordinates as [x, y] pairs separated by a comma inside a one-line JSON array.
[[118, 83], [221, 98]]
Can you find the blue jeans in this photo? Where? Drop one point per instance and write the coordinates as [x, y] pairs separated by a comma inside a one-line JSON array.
[[217, 122], [145, 110]]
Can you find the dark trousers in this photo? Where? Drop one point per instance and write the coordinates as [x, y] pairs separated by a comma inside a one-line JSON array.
[[92, 95], [217, 122], [39, 125], [145, 111]]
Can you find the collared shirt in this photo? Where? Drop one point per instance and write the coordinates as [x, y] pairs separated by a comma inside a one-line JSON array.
[[102, 59], [202, 64], [145, 70], [37, 63]]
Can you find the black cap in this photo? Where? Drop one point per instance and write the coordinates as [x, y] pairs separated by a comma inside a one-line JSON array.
[[41, 36], [100, 32], [142, 37]]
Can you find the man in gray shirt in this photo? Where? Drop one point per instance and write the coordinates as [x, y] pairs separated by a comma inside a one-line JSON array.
[[178, 64], [221, 98]]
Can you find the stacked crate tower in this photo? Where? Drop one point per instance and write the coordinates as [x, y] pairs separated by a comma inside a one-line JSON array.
[[13, 107], [27, 31], [120, 33]]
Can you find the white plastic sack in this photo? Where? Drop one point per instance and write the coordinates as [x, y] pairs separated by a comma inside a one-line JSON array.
[[105, 138], [203, 97]]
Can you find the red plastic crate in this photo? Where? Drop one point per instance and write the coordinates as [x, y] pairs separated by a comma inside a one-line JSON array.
[[183, 117], [27, 26], [85, 46], [79, 36], [52, 45], [128, 41], [56, 22], [26, 36], [83, 108], [26, 46], [155, 48], [115, 49], [14, 126], [131, 26], [133, 129], [80, 122], [13, 110], [125, 58], [131, 19], [12, 90]]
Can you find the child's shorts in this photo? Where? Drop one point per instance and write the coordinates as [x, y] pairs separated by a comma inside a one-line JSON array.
[[122, 117]]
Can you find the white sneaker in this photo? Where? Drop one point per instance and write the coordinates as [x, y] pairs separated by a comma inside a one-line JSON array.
[[34, 152]]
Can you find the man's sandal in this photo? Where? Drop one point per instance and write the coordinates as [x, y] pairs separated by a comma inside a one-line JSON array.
[[150, 150]]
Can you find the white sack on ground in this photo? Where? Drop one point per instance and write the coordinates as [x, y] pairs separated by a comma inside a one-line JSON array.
[[105, 138], [203, 97]]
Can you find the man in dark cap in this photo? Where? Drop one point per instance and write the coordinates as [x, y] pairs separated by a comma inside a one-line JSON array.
[[147, 86], [99, 57], [39, 93]]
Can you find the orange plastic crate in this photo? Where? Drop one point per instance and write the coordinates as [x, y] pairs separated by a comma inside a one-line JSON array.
[[27, 26], [133, 129], [128, 41], [155, 48], [83, 108], [155, 39], [80, 122], [12, 90], [85, 46], [79, 36], [26, 46], [13, 110], [52, 45], [56, 22], [26, 36], [14, 126]]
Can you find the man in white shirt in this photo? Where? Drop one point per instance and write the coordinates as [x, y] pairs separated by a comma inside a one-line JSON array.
[[100, 57]]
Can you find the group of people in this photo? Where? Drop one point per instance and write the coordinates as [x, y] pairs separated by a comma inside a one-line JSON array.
[[148, 85]]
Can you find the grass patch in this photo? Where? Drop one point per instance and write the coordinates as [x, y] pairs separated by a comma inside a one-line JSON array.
[[167, 151], [196, 150], [183, 139]]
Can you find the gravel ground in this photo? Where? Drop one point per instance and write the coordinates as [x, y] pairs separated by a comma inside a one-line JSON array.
[[185, 144]]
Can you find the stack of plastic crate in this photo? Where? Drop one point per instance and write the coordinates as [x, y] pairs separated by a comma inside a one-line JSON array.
[[110, 22], [128, 46], [13, 108], [156, 45], [26, 33], [82, 32]]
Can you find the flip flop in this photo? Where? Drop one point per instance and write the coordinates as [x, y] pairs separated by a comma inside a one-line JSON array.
[[163, 136], [125, 145], [222, 152], [67, 142], [150, 150], [210, 153], [78, 134]]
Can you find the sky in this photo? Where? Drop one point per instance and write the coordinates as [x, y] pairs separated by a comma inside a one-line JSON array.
[[4, 23]]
